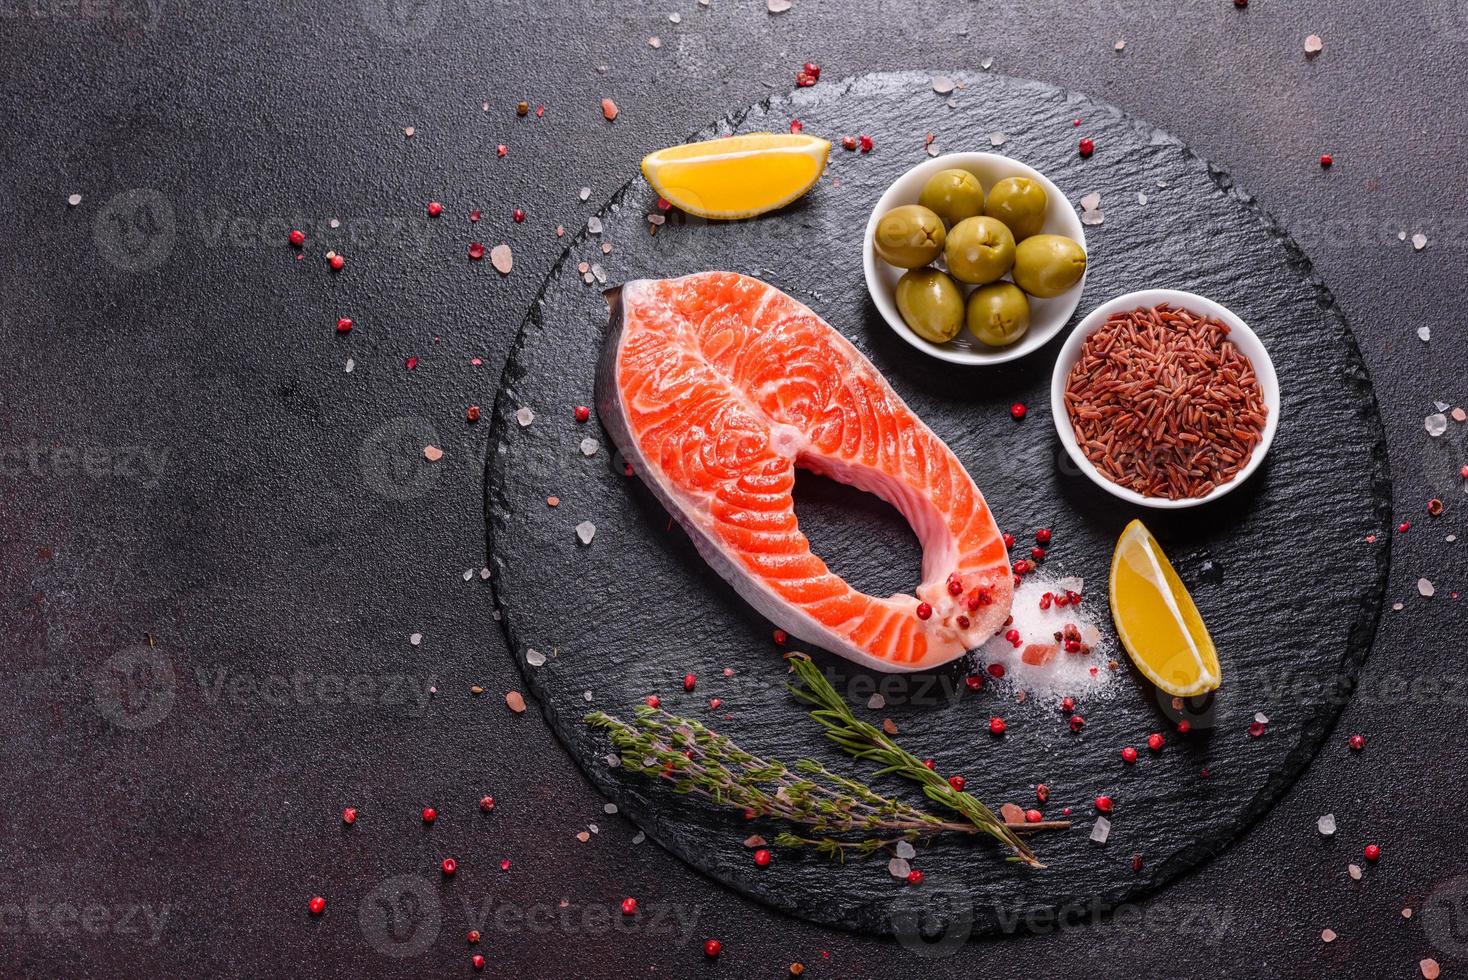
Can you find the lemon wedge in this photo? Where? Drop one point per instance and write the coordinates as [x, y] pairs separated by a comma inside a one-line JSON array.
[[737, 176], [1156, 619]]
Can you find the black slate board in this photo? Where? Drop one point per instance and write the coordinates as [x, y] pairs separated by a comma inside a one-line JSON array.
[[1281, 568]]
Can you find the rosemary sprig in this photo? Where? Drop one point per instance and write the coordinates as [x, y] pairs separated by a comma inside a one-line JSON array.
[[701, 762], [864, 741]]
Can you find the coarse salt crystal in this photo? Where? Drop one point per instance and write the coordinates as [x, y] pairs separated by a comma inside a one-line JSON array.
[[416, 639], [585, 193], [74, 200], [898, 867], [1091, 201], [905, 850], [1424, 334], [876, 702], [609, 808], [1326, 825], [502, 258], [986, 64], [1141, 197], [535, 658], [1101, 830], [1354, 870], [1261, 717], [639, 837], [1425, 588], [586, 696], [1065, 674], [1092, 217], [777, 6], [351, 365], [1327, 935], [1313, 44], [1419, 241], [593, 225], [997, 139], [942, 85], [586, 531], [468, 574], [484, 573], [1435, 424], [524, 416], [589, 447]]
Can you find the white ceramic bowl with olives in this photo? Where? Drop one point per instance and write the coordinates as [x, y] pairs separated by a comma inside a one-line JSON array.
[[939, 221]]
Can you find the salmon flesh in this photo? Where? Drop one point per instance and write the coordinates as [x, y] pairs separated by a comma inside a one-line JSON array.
[[716, 386]]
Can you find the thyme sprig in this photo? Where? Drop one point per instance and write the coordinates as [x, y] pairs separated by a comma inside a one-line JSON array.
[[841, 815], [865, 741]]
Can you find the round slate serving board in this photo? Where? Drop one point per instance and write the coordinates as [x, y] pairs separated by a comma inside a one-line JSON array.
[[1281, 568]]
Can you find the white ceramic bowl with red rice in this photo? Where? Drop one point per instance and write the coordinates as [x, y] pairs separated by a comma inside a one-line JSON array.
[[1047, 316], [1239, 335]]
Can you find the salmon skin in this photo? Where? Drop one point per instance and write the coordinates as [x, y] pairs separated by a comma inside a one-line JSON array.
[[716, 386]]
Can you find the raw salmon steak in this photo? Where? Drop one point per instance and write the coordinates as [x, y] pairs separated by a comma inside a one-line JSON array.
[[716, 386]]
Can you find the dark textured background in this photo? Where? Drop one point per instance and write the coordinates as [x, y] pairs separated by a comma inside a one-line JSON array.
[[266, 536]]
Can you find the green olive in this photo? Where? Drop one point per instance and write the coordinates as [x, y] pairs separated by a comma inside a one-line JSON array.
[[998, 314], [909, 236], [1020, 203], [979, 250], [953, 195], [931, 304], [1048, 265]]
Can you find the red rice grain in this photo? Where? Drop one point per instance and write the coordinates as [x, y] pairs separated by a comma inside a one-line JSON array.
[[1164, 404]]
